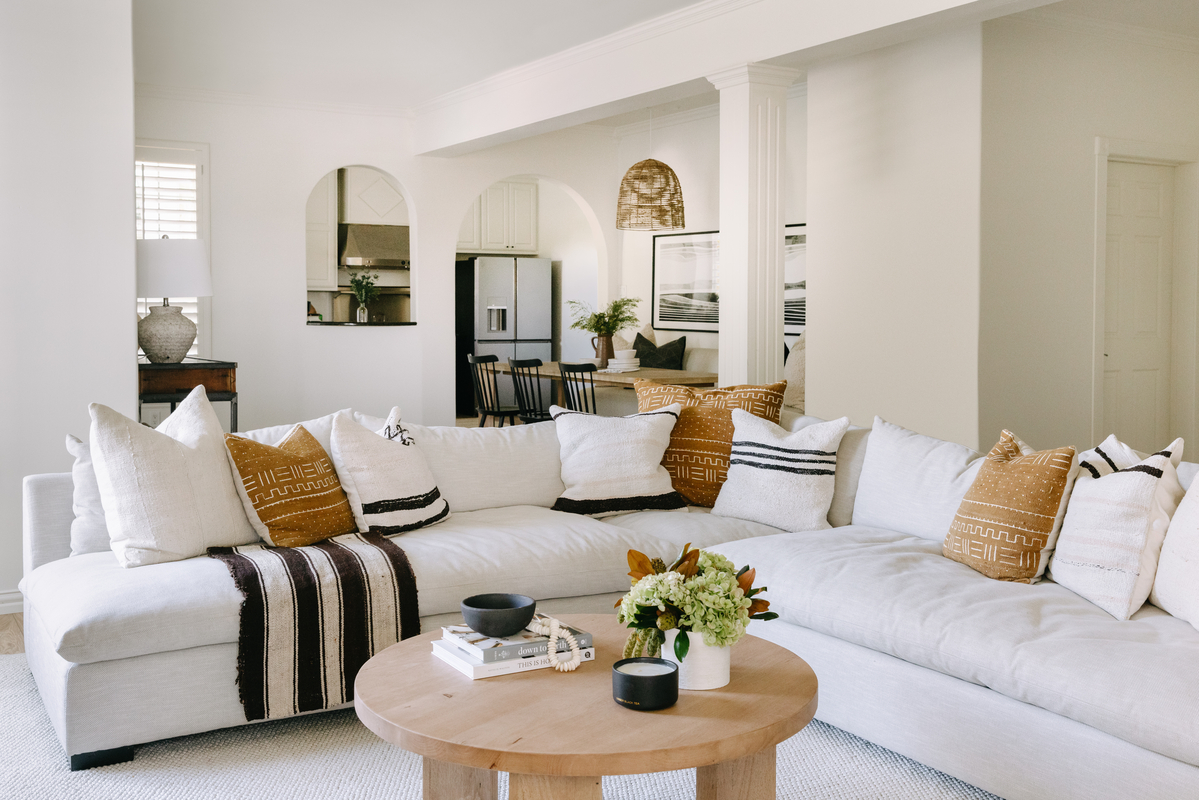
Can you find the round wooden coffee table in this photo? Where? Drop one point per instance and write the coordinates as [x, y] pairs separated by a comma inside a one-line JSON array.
[[556, 734]]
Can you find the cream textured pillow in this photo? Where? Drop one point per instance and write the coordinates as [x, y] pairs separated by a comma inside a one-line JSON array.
[[89, 533], [779, 478], [614, 464], [912, 483], [1118, 516], [1176, 584], [168, 494], [290, 492], [385, 477], [1009, 519], [793, 373]]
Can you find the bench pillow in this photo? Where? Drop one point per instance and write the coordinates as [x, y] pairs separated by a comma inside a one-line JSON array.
[[478, 468], [1176, 584], [912, 483], [89, 533]]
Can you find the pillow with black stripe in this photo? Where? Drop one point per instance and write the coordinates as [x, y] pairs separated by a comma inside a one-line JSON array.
[[385, 476], [781, 478], [1115, 523], [612, 465]]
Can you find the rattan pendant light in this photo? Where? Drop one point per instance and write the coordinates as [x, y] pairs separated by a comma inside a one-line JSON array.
[[650, 198]]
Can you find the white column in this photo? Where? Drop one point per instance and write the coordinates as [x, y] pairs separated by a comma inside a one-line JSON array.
[[753, 127]]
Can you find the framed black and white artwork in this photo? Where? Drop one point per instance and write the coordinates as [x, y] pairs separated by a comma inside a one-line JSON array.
[[686, 278], [795, 280]]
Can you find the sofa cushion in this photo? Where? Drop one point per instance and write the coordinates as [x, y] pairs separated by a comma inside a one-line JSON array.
[[912, 483], [1040, 644], [93, 610], [694, 525], [89, 533], [479, 468]]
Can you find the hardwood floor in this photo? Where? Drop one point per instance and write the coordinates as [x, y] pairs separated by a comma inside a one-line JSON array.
[[12, 634]]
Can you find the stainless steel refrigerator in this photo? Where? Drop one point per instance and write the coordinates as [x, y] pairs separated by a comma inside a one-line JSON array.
[[513, 311]]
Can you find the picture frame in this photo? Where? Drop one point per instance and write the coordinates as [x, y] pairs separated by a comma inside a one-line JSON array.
[[795, 279], [686, 281]]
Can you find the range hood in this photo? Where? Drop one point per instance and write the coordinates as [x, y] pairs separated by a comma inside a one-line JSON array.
[[376, 246]]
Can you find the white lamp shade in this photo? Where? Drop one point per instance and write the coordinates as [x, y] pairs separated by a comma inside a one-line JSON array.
[[173, 268]]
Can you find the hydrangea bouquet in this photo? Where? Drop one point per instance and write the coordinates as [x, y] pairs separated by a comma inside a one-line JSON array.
[[700, 592]]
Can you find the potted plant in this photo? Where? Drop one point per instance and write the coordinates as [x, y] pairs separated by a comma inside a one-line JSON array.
[[363, 284], [604, 324], [697, 607]]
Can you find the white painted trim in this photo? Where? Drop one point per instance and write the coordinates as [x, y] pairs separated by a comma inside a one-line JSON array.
[[667, 121], [1077, 23], [1186, 184], [658, 26], [12, 602], [149, 90], [763, 74]]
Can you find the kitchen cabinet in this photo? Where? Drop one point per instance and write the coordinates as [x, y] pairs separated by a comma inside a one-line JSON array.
[[502, 220], [321, 240]]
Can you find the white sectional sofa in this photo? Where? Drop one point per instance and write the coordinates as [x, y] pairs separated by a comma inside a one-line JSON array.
[[1026, 691]]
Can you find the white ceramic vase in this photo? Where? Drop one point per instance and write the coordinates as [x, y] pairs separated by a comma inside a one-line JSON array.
[[165, 335], [705, 667]]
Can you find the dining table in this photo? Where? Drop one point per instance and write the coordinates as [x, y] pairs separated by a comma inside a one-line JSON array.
[[675, 377]]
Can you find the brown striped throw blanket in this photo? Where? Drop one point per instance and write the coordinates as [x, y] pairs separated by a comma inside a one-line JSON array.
[[312, 616]]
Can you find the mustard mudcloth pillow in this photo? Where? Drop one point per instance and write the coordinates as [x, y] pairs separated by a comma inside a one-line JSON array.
[[698, 456], [291, 492], [1008, 522]]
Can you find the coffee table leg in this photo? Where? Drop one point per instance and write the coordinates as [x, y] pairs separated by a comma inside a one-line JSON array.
[[446, 781], [749, 778], [553, 787]]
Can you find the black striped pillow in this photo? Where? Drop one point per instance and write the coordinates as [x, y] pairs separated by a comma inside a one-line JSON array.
[[780, 478], [385, 476]]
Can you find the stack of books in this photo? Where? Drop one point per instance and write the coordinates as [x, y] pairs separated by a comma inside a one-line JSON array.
[[478, 656]]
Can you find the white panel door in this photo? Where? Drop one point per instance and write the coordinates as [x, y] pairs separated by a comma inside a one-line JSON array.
[[1137, 304], [321, 243], [495, 218], [470, 234], [522, 217]]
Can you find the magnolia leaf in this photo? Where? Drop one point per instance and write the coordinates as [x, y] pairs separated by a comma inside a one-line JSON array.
[[746, 580], [689, 565], [681, 645], [639, 565], [682, 555], [618, 602], [766, 616], [758, 606], [743, 570]]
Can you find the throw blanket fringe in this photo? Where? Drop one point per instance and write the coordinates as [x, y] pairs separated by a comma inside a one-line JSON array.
[[312, 616]]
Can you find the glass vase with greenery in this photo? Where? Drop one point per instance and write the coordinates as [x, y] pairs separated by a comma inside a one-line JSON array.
[[619, 315], [363, 285]]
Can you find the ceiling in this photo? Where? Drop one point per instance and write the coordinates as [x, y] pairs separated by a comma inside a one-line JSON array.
[[383, 53], [1169, 16]]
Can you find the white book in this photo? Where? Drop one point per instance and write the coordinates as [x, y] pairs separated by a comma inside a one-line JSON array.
[[474, 668]]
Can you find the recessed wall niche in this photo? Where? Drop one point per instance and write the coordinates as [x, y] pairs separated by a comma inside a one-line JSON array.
[[357, 225]]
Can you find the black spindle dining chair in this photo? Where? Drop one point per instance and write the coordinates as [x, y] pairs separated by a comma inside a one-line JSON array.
[[526, 378], [487, 399], [578, 386]]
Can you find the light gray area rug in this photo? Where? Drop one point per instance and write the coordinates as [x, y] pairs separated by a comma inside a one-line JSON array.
[[333, 757]]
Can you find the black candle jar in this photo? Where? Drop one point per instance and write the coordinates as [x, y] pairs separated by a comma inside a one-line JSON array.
[[645, 684]]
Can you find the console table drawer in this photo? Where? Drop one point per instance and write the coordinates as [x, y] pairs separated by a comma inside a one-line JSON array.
[[169, 381]]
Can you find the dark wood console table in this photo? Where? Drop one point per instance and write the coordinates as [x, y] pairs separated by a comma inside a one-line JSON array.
[[170, 383]]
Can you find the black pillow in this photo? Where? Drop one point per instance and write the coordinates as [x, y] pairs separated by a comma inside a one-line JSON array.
[[668, 356]]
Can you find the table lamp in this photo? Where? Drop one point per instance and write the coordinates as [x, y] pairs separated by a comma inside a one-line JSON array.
[[165, 268]]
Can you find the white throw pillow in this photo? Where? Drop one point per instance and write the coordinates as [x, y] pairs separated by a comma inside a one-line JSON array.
[[912, 483], [89, 533], [385, 477], [1176, 585], [793, 373], [168, 493], [779, 478], [1117, 518], [612, 465], [321, 429], [478, 468]]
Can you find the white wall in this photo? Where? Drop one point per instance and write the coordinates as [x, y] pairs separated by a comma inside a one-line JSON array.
[[68, 334], [689, 143], [893, 249], [1047, 93], [566, 239], [265, 161]]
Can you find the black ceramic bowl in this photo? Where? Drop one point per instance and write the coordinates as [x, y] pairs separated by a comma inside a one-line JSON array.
[[498, 615]]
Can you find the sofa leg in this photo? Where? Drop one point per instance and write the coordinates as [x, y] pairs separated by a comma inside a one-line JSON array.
[[101, 758]]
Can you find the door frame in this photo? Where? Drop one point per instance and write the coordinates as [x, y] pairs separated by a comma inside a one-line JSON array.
[[1184, 303]]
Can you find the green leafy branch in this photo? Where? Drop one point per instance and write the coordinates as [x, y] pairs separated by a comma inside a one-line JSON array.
[[619, 314]]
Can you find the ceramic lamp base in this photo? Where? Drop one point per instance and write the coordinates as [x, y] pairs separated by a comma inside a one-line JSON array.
[[705, 667], [165, 335]]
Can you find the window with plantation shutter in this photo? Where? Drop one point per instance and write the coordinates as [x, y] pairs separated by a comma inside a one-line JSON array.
[[169, 184]]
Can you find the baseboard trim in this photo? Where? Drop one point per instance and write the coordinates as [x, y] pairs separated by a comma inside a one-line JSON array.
[[11, 602]]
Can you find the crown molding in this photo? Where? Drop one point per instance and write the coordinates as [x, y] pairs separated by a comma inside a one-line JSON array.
[[149, 90], [754, 73], [1076, 23], [658, 26], [711, 111]]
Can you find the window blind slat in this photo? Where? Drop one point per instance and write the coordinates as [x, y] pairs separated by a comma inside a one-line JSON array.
[[167, 203]]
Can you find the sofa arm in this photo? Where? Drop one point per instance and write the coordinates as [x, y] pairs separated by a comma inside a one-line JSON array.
[[46, 515]]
